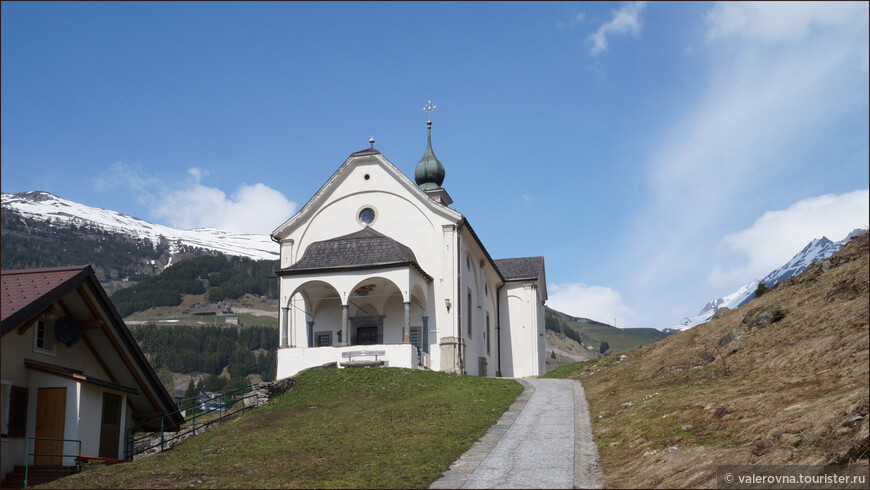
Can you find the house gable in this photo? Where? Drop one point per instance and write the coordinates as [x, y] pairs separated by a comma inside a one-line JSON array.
[[107, 355]]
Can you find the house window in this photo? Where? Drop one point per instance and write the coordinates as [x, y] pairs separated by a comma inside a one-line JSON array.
[[43, 338], [469, 314], [324, 339]]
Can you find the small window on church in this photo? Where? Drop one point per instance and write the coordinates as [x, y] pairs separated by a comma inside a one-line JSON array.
[[367, 216]]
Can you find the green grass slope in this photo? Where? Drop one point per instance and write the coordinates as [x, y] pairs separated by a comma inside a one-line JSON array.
[[347, 428]]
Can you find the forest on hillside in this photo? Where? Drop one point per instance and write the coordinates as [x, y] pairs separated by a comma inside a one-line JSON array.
[[29, 243], [206, 349], [220, 276]]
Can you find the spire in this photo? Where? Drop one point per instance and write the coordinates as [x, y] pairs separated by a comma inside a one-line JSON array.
[[429, 173]]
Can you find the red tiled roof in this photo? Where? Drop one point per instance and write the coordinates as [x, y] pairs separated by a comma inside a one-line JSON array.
[[22, 288]]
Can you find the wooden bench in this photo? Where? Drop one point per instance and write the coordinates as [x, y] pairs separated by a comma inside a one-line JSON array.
[[349, 355]]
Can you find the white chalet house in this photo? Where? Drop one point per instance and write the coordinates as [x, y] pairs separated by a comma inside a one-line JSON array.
[[377, 262], [74, 378]]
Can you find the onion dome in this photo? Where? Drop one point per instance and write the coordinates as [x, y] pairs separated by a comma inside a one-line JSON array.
[[429, 174]]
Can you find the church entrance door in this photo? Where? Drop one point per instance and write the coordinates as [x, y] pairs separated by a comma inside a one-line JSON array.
[[367, 335]]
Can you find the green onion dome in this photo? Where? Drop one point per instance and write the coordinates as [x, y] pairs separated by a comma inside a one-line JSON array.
[[429, 173]]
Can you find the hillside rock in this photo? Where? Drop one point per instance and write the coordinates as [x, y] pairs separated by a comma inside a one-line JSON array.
[[733, 335]]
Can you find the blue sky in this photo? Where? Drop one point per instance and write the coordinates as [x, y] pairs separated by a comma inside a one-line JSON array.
[[658, 155]]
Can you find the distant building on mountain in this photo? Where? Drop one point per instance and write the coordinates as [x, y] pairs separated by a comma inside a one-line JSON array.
[[374, 262]]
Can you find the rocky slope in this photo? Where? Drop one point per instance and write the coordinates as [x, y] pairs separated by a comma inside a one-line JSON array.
[[781, 380]]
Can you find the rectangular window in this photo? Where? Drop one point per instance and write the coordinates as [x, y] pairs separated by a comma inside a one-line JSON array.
[[43, 338], [487, 333], [324, 340], [414, 335], [17, 411], [469, 314]]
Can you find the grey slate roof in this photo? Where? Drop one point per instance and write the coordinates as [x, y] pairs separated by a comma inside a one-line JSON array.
[[521, 268], [365, 249]]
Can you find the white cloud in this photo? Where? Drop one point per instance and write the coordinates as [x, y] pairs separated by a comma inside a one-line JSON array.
[[598, 303], [775, 237], [188, 204], [779, 108], [781, 21], [625, 21], [763, 111]]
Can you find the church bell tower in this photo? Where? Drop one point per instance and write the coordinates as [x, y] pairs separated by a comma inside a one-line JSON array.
[[429, 173]]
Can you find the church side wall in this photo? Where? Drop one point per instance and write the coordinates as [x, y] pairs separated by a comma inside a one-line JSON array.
[[478, 281], [542, 336], [522, 339]]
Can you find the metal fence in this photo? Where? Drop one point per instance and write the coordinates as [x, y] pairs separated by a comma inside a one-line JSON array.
[[55, 468], [197, 413]]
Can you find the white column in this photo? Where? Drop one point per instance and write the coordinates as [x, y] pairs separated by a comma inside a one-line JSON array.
[[345, 335], [406, 330], [285, 313]]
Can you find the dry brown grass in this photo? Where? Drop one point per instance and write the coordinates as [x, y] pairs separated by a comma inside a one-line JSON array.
[[780, 394]]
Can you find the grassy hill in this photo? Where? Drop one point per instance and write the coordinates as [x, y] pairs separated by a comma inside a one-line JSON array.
[[592, 333], [347, 428], [782, 380]]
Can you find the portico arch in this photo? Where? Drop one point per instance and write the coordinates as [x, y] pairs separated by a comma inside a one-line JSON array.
[[312, 309], [374, 317]]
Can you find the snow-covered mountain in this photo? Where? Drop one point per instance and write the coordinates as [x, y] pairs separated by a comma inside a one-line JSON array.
[[61, 212], [818, 249]]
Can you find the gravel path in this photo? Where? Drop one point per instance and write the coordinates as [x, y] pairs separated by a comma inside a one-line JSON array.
[[543, 441]]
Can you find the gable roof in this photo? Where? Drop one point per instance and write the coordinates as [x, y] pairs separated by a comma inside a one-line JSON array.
[[367, 154], [27, 294], [521, 268], [364, 249]]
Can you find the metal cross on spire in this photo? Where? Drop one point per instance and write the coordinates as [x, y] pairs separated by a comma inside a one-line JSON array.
[[429, 107]]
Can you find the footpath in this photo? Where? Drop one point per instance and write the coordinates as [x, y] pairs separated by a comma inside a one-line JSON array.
[[543, 441]]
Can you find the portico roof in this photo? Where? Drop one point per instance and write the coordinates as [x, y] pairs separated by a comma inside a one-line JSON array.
[[365, 249]]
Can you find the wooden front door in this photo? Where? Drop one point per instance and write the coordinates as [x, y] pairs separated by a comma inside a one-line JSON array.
[[110, 428], [50, 422]]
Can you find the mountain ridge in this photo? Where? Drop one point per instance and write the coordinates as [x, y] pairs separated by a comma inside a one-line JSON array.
[[817, 249], [44, 206]]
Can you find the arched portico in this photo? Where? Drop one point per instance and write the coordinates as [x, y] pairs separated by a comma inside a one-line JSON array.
[[340, 304]]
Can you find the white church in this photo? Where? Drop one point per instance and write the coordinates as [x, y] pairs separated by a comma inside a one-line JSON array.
[[377, 268]]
